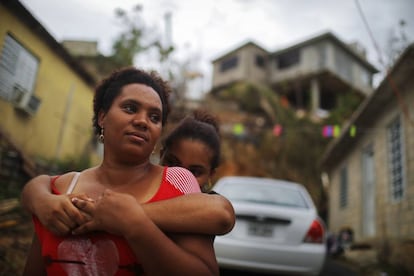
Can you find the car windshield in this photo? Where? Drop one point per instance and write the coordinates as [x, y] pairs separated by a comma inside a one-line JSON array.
[[263, 194]]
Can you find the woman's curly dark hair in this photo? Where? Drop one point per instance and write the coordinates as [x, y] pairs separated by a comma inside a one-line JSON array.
[[110, 87]]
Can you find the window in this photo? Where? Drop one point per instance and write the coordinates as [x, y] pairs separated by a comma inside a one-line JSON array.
[[343, 65], [288, 59], [229, 63], [260, 61], [396, 159], [18, 69], [343, 188]]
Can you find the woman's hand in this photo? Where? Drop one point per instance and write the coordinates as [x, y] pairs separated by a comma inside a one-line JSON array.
[[55, 212], [58, 214], [112, 212]]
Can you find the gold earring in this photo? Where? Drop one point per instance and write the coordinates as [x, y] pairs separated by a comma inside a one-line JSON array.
[[207, 187], [101, 136], [210, 185]]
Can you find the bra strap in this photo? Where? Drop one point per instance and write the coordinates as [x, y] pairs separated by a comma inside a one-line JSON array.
[[73, 183]]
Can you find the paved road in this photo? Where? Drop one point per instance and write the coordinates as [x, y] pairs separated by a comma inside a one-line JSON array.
[[335, 268], [331, 268]]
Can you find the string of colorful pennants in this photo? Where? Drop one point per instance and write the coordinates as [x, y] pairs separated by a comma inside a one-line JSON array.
[[328, 131]]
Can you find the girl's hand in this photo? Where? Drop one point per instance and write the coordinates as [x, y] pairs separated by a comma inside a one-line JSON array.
[[59, 215]]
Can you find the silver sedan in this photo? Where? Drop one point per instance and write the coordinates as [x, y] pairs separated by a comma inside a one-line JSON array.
[[277, 227]]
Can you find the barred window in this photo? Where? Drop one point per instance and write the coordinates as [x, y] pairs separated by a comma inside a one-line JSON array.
[[18, 69], [396, 159]]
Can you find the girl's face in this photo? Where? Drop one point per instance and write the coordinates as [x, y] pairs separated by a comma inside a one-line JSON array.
[[193, 155], [133, 124]]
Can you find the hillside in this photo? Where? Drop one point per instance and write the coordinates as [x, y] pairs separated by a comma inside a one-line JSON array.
[[264, 136]]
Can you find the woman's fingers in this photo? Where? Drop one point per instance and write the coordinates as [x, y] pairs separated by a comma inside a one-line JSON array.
[[59, 228], [86, 206], [82, 196], [78, 215], [57, 215], [85, 228]]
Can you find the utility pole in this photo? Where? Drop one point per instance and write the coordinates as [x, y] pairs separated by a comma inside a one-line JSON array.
[[167, 43], [62, 128]]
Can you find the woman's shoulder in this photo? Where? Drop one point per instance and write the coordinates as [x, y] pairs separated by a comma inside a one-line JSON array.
[[62, 182], [182, 179]]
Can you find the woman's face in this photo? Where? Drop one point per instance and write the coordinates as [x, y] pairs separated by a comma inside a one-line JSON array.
[[133, 124], [194, 155]]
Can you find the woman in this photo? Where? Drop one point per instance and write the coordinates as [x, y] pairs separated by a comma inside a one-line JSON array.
[[130, 108], [195, 145]]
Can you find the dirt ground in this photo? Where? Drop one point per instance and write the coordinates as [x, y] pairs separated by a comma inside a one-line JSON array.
[[16, 232]]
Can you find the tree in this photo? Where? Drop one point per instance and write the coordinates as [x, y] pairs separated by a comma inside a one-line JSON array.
[[293, 154], [136, 38], [397, 43], [129, 42]]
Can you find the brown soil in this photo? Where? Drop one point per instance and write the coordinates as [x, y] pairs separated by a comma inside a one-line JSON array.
[[16, 232]]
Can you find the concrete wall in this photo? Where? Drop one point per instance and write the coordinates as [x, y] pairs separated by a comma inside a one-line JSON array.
[[393, 219], [246, 69]]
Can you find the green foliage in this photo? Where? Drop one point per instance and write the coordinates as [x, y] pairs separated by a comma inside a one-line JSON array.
[[163, 52], [347, 103], [129, 42], [257, 99], [296, 153], [70, 164], [244, 94], [292, 156], [397, 42], [135, 38], [11, 189]]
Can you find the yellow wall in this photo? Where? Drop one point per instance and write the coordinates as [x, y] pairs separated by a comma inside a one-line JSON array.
[[38, 135]]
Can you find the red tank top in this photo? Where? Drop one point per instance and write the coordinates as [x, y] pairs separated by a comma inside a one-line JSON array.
[[100, 253]]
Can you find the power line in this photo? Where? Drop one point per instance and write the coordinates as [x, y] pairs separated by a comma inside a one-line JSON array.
[[371, 35], [393, 86]]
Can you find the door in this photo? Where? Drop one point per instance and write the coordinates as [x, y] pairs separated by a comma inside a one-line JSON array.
[[368, 192]]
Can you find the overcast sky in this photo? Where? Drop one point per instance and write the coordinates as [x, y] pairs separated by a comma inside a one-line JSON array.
[[207, 29]]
